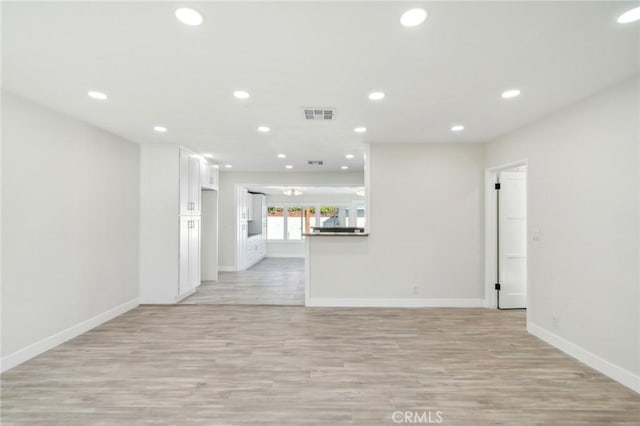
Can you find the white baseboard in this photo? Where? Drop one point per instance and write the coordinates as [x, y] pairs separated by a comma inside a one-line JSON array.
[[35, 349], [607, 368], [226, 269], [395, 303]]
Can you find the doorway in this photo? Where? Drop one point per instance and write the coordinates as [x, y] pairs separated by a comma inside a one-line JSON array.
[[506, 237]]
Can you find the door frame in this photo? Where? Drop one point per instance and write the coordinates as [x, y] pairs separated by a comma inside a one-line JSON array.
[[490, 238]]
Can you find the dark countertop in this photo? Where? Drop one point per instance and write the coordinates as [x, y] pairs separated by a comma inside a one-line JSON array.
[[336, 234]]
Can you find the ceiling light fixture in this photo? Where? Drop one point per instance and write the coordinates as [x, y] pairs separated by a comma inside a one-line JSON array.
[[160, 129], [264, 129], [207, 155], [413, 17], [349, 156], [228, 166], [457, 128], [511, 93], [376, 96], [360, 129], [216, 166], [292, 192], [189, 17], [241, 94], [97, 95], [344, 167], [289, 166], [282, 155], [629, 16]]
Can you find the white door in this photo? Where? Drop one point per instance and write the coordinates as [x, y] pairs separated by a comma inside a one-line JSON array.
[[194, 185], [513, 239], [183, 286], [185, 190], [194, 252]]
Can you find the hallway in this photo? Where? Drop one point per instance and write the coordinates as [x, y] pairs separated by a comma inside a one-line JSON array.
[[273, 281]]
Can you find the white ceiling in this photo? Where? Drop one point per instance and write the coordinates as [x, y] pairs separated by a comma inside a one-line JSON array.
[[449, 70]]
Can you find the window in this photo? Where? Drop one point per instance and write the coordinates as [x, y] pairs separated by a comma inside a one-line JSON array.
[[291, 221], [294, 223], [333, 217], [275, 223]]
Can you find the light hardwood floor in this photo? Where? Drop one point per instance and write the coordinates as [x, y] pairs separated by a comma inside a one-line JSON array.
[[275, 365], [272, 281]]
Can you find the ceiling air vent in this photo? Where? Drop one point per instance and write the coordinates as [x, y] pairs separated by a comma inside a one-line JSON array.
[[319, 113], [315, 163]]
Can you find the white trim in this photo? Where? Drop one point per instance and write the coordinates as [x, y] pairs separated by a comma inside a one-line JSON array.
[[226, 268], [307, 272], [490, 230], [605, 367], [37, 348], [394, 303], [284, 256]]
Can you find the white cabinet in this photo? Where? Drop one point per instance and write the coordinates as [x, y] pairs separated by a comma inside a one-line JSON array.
[[209, 176], [243, 210], [189, 183], [189, 271], [250, 214], [252, 232], [170, 223]]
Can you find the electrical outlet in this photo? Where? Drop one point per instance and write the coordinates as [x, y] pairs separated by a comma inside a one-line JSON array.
[[555, 321], [536, 235], [416, 290]]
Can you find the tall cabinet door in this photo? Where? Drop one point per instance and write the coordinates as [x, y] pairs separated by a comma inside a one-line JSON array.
[[194, 252], [185, 192], [184, 286], [194, 185]]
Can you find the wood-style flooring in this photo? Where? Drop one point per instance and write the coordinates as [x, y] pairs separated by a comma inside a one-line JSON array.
[[277, 365], [272, 281]]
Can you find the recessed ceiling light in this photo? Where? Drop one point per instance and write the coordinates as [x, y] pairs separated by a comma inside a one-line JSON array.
[[207, 155], [216, 166], [344, 167], [228, 166], [360, 129], [376, 96], [349, 156], [189, 16], [263, 129], [241, 94], [413, 17], [629, 16], [511, 93], [160, 129], [457, 128], [97, 95], [282, 155], [289, 166]]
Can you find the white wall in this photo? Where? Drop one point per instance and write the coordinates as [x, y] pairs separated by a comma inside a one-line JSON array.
[[226, 199], [70, 228], [324, 199], [439, 251], [583, 199]]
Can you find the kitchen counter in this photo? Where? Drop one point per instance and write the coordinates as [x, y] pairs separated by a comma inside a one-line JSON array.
[[336, 234]]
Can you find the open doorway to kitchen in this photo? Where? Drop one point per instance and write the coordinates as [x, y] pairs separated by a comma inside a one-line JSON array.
[[506, 237], [272, 224]]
